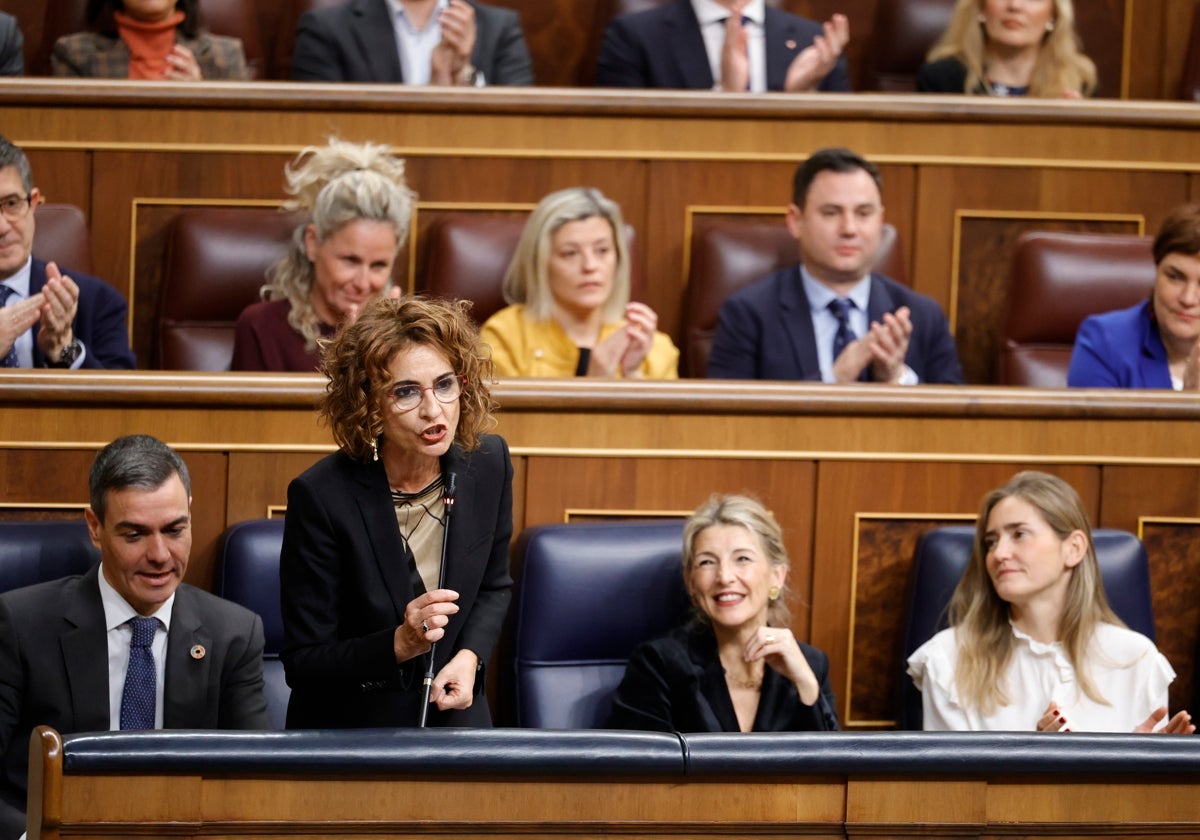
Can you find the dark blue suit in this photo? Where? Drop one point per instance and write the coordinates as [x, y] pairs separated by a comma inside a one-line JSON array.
[[765, 331], [1120, 349], [663, 48], [100, 321]]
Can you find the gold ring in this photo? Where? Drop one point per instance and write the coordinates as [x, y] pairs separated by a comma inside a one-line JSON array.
[[769, 638]]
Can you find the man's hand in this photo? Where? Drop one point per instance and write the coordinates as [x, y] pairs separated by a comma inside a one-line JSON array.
[[889, 345], [452, 56], [60, 303], [16, 319], [814, 62]]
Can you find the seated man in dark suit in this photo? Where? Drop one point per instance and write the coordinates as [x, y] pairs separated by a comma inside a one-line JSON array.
[[47, 318], [412, 42], [831, 319], [126, 645], [728, 45], [12, 45]]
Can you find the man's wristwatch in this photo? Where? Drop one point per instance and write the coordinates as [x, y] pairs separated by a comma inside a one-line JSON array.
[[468, 75], [69, 354]]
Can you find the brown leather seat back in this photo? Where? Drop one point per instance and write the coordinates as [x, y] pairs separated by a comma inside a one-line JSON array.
[[729, 255], [1058, 279], [60, 235], [239, 19], [902, 34], [467, 255], [215, 265]]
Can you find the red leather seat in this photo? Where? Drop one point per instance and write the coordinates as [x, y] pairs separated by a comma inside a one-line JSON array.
[[902, 34], [215, 265], [1058, 279], [60, 234]]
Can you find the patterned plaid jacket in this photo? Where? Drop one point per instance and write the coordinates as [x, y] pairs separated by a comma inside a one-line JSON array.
[[95, 56]]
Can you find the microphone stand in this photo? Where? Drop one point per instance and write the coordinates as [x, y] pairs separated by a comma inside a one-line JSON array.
[[448, 502]]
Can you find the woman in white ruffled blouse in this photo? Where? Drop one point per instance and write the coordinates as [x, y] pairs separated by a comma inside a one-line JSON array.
[[1033, 643]]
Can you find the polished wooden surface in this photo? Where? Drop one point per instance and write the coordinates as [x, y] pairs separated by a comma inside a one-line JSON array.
[[403, 803], [963, 177], [854, 474]]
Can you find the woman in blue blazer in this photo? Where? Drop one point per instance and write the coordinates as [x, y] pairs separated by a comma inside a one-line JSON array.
[[407, 402], [1155, 344]]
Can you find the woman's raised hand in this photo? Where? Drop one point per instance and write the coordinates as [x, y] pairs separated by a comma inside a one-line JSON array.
[[425, 620]]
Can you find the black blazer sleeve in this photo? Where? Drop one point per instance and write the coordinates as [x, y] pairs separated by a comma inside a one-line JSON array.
[[622, 62], [500, 49], [12, 44], [643, 699]]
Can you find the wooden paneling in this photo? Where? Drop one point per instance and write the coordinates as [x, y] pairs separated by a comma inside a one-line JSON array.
[[853, 474]]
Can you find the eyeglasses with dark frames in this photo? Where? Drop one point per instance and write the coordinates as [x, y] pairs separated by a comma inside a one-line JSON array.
[[446, 389], [14, 207]]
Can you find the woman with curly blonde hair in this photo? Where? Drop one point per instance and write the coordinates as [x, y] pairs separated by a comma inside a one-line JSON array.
[[1010, 48], [1033, 643], [368, 528], [336, 263]]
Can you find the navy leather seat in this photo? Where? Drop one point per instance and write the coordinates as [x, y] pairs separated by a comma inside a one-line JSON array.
[[33, 552], [941, 557], [588, 594], [248, 574]]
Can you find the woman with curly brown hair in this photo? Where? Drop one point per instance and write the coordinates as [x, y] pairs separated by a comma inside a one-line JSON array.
[[408, 404]]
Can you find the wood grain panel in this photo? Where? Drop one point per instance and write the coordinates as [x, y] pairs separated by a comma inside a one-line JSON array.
[[897, 490], [882, 581], [1174, 552]]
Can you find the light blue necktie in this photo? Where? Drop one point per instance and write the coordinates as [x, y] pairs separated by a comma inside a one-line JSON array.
[[9, 361], [138, 699]]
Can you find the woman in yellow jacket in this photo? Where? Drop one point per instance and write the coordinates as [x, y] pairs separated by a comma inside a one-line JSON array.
[[568, 290]]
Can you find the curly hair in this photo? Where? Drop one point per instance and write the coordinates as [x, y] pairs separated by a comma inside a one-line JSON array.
[[744, 512], [357, 359], [1061, 64], [980, 616], [527, 279], [337, 184]]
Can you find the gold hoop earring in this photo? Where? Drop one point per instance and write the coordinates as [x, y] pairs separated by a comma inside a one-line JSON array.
[[773, 593]]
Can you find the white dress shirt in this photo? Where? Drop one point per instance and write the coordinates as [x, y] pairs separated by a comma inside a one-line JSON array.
[[1124, 666], [117, 613]]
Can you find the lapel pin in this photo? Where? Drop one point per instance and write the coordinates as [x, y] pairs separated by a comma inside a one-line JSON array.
[[197, 651], [790, 44]]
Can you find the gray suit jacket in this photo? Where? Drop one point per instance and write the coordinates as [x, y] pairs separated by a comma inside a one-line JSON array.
[[356, 42], [54, 671]]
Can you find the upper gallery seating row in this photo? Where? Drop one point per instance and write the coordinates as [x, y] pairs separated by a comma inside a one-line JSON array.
[[216, 259], [901, 35], [569, 647]]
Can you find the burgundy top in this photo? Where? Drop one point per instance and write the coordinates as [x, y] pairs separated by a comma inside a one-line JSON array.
[[264, 340]]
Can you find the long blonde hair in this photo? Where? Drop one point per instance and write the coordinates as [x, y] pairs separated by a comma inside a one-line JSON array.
[[980, 616], [1061, 64], [337, 184]]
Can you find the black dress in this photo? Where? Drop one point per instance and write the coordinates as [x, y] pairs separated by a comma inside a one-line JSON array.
[[676, 683]]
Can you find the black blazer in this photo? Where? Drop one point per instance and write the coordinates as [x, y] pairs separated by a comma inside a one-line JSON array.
[[54, 667], [345, 584], [765, 331], [676, 683], [356, 42], [664, 48]]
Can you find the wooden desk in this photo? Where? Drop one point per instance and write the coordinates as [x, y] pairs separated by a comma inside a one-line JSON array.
[[854, 474]]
